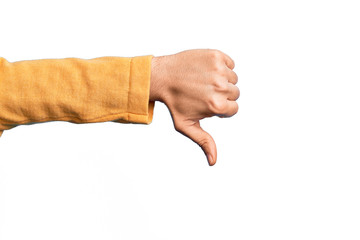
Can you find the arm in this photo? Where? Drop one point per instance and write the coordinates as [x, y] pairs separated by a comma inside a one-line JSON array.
[[75, 90], [193, 85]]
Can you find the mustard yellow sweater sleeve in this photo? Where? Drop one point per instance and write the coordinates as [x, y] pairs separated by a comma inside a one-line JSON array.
[[75, 90]]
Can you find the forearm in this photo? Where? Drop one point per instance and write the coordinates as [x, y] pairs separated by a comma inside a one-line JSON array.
[[75, 90]]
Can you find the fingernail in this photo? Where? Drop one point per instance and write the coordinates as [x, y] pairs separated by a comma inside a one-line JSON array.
[[210, 160]]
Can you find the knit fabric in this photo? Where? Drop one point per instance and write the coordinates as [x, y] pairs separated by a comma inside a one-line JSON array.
[[75, 90]]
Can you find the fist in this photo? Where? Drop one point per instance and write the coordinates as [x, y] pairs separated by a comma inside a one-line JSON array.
[[196, 84]]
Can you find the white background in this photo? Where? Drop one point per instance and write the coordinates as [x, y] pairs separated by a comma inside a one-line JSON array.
[[288, 163]]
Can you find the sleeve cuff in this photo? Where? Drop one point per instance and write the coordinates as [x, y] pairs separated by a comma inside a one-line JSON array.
[[139, 108]]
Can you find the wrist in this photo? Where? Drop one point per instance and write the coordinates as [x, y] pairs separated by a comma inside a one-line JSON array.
[[156, 80]]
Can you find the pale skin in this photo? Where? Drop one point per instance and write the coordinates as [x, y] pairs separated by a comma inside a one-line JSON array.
[[195, 84]]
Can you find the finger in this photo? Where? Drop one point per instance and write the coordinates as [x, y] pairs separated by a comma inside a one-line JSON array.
[[231, 109], [202, 138], [229, 61], [234, 92], [232, 76]]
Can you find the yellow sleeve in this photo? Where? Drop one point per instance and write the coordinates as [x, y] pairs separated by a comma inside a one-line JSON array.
[[75, 90]]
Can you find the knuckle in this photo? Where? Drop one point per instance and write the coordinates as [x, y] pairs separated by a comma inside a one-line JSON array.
[[222, 72], [221, 85], [217, 66], [203, 142], [217, 106], [216, 59], [215, 53]]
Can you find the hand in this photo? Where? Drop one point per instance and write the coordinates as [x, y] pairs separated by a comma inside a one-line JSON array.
[[195, 84]]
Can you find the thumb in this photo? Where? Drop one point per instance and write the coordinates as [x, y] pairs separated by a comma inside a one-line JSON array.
[[201, 137]]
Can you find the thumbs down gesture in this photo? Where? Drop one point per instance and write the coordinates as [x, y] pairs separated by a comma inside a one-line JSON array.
[[195, 84]]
